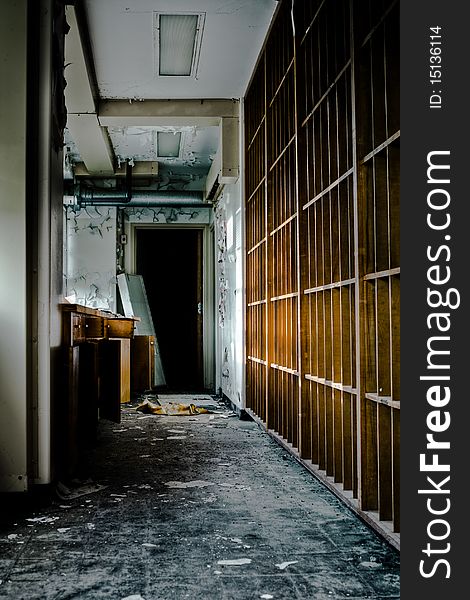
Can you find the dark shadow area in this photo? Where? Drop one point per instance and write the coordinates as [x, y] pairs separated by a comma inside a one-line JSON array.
[[170, 261]]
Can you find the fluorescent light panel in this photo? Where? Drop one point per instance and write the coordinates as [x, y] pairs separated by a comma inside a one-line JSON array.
[[177, 44], [168, 144]]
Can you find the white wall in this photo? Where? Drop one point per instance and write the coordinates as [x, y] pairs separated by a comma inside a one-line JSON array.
[[47, 267], [30, 257], [167, 216], [13, 306], [229, 294], [91, 256]]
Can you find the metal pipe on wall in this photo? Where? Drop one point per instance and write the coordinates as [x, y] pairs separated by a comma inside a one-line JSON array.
[[177, 199]]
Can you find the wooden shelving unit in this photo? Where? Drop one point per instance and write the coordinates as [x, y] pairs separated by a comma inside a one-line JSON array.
[[256, 244], [378, 138], [322, 225]]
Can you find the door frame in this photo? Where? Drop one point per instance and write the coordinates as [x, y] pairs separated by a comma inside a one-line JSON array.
[[208, 314]]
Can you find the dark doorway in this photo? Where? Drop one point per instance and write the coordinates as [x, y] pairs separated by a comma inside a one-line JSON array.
[[170, 262]]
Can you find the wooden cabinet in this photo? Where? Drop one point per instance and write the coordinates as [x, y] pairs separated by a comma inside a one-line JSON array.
[[80, 323], [96, 379], [115, 378], [142, 362], [120, 328], [95, 327]]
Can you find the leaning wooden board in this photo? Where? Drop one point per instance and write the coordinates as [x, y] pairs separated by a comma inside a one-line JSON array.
[[135, 303]]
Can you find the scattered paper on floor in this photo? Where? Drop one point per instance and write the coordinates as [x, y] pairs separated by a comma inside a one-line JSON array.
[[171, 408]]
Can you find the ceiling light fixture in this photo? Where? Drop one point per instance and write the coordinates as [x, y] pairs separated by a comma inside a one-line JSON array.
[[168, 144], [179, 43]]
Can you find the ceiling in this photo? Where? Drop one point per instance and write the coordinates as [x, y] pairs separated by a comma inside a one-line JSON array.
[[117, 102], [123, 44]]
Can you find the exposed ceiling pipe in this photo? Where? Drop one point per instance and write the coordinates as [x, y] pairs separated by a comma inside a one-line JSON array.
[[94, 197], [86, 195], [89, 195]]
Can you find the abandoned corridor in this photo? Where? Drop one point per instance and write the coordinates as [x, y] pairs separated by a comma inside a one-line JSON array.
[[175, 497]]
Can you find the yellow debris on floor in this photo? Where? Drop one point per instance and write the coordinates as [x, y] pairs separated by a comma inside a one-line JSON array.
[[171, 408]]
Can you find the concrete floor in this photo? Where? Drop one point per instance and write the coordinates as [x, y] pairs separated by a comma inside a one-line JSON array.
[[184, 494]]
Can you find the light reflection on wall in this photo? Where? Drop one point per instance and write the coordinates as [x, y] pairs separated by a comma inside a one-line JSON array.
[[90, 268]]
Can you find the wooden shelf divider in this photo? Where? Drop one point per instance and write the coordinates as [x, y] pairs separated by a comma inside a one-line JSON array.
[[322, 133]]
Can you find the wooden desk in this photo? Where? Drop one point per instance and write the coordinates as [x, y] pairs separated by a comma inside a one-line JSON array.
[[96, 347], [81, 323]]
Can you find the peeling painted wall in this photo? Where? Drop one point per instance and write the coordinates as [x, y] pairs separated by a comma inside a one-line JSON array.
[[94, 253], [229, 294], [169, 216], [187, 171], [92, 263], [90, 256]]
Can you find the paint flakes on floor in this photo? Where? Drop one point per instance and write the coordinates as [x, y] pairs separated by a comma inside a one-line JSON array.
[[197, 483], [43, 520], [371, 564], [286, 564], [227, 504], [235, 562]]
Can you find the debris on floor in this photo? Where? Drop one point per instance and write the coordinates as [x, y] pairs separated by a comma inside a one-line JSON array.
[[42, 520], [285, 564], [171, 409], [76, 489], [235, 562], [224, 496], [227, 416], [188, 484]]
